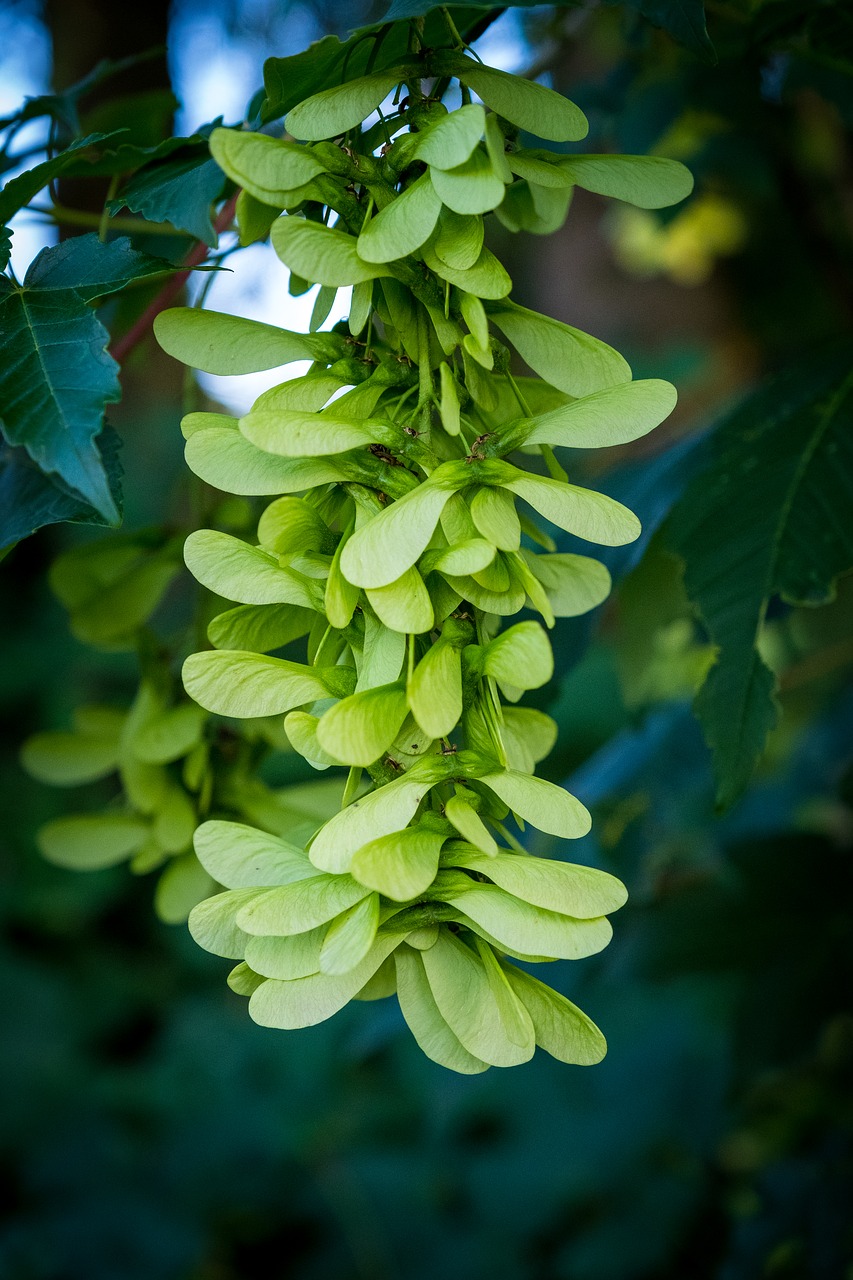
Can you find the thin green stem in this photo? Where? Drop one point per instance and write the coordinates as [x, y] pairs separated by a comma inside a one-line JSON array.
[[516, 390], [82, 218], [103, 225], [425, 388]]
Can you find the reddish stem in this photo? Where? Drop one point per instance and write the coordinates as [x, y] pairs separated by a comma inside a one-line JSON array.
[[121, 348]]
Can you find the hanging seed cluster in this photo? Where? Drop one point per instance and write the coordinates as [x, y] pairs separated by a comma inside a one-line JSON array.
[[406, 471]]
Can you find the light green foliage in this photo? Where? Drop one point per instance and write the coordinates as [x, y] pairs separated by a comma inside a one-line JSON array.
[[403, 225], [321, 254], [344, 107], [567, 358], [397, 544], [224, 344], [268, 168]]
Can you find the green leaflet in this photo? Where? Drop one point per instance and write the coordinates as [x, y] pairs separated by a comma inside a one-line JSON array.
[[170, 735], [295, 434], [531, 106], [307, 1001], [111, 588], [464, 998], [496, 147], [390, 543], [536, 209], [231, 568], [254, 218], [403, 225], [341, 596], [71, 759], [424, 1018], [547, 807], [493, 512], [321, 254], [174, 821], [241, 857], [225, 459], [520, 656], [515, 1019], [401, 865], [286, 958], [213, 923], [528, 737], [259, 628], [381, 985], [485, 278], [563, 356], [459, 240], [461, 812], [300, 905], [181, 887], [243, 981], [358, 729], [301, 729], [234, 683], [449, 405], [451, 140], [522, 928], [584, 512], [574, 584], [88, 842], [382, 654], [290, 524], [435, 690], [360, 306], [582, 892], [268, 168], [223, 344], [470, 556], [615, 416], [386, 810], [539, 167], [305, 395], [469, 188], [333, 111], [404, 605], [350, 936], [561, 1028], [650, 182]]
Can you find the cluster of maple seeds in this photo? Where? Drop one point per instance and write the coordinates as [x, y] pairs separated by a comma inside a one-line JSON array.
[[395, 548]]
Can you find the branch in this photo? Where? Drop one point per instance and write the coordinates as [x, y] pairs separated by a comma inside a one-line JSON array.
[[122, 347]]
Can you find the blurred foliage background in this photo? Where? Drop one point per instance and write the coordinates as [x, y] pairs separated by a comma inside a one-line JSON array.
[[147, 1128]]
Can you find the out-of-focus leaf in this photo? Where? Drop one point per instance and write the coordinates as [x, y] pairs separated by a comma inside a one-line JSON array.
[[19, 191], [771, 517]]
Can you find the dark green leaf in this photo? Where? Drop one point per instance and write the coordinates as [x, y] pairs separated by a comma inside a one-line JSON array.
[[90, 268], [55, 379], [178, 191], [29, 500], [20, 191], [684, 20], [771, 517]]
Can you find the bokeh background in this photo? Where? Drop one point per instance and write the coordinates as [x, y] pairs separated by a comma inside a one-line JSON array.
[[147, 1127]]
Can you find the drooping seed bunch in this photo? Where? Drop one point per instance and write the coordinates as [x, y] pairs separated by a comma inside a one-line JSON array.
[[404, 470]]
